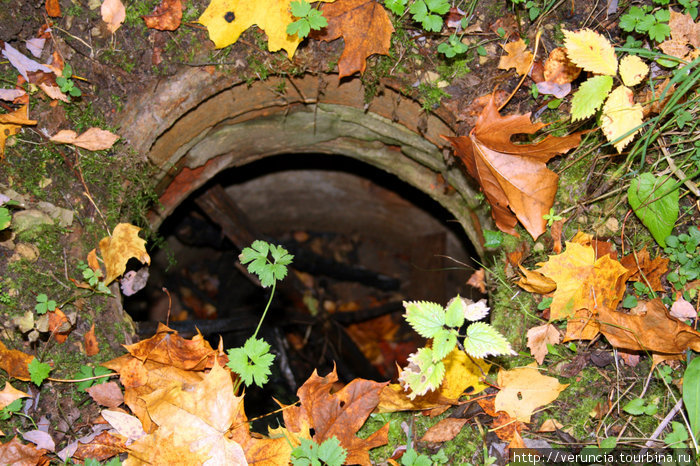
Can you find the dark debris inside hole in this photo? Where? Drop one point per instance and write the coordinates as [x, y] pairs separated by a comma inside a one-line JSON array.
[[341, 302]]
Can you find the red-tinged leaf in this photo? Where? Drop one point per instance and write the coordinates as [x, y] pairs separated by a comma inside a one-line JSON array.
[[166, 16]]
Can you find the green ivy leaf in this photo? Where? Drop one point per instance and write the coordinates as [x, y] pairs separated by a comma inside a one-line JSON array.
[[38, 371], [483, 340], [634, 407], [655, 202], [252, 362], [590, 96], [425, 317], [691, 394]]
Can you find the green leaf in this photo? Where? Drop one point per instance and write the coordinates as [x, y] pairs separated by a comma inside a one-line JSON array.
[[443, 344], [630, 301], [608, 443], [422, 374], [483, 340], [634, 407], [454, 313], [300, 9], [544, 304], [425, 317], [677, 436], [38, 371], [252, 362], [590, 96], [398, 7], [493, 239], [438, 6], [628, 21], [645, 23], [316, 21], [691, 395], [87, 372], [412, 458], [14, 407], [5, 218], [331, 453], [432, 23], [655, 202], [418, 9], [659, 32]]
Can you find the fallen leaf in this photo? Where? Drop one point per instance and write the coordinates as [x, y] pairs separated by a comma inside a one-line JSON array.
[[557, 90], [35, 46], [538, 338], [364, 25], [559, 69], [166, 16], [523, 390], [263, 451], [125, 424], [535, 282], [41, 439], [226, 20], [477, 280], [92, 139], [90, 341], [656, 331], [54, 92], [101, 447], [17, 454], [113, 13], [22, 63], [11, 123], [53, 8], [11, 94], [583, 282], [512, 175], [444, 431], [517, 56], [107, 394], [556, 230], [590, 51], [59, 326], [503, 424], [550, 425], [198, 417], [340, 414], [462, 375], [641, 268], [633, 70], [10, 394], [683, 310], [685, 34], [124, 244], [582, 326], [15, 362], [620, 117], [164, 448]]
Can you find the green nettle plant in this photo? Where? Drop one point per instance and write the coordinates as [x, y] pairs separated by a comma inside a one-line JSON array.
[[252, 361], [426, 369]]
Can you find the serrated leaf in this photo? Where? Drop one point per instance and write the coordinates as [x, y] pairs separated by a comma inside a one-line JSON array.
[[331, 453], [38, 371], [422, 374], [438, 6], [483, 340], [425, 317], [590, 51], [590, 96], [655, 202], [454, 312], [317, 20], [622, 118], [432, 23], [300, 9], [444, 342], [398, 7], [633, 70], [659, 32]]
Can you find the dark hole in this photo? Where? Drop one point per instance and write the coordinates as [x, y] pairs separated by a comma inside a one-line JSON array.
[[351, 216], [229, 16]]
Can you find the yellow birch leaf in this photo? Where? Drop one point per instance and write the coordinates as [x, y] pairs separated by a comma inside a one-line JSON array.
[[590, 51], [523, 390], [620, 116], [227, 19], [633, 70], [120, 247]]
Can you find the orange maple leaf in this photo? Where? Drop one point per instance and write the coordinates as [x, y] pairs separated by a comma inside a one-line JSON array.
[[514, 177], [366, 28], [517, 56], [340, 414], [166, 16]]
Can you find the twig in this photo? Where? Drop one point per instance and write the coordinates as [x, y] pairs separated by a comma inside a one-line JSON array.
[[677, 171], [662, 426]]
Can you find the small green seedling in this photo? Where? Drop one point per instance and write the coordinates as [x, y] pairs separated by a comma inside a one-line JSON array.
[[252, 361], [66, 84], [310, 453], [551, 217], [308, 18], [398, 7], [87, 372], [13, 408], [638, 406], [645, 21], [429, 13], [38, 371], [452, 47], [44, 304]]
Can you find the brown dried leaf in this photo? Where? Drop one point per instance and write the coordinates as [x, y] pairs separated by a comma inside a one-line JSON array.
[[113, 13], [17, 454], [559, 69], [10, 394], [166, 16], [477, 280], [92, 139], [107, 394], [90, 342], [643, 269], [123, 245], [538, 338], [364, 25], [517, 56], [514, 177], [53, 8], [11, 123], [15, 362], [444, 431], [535, 282]]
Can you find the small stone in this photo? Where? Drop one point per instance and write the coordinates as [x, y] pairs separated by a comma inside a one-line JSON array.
[[42, 323], [612, 224], [94, 4], [25, 322], [45, 182], [25, 251], [63, 216], [29, 219], [33, 336], [538, 247]]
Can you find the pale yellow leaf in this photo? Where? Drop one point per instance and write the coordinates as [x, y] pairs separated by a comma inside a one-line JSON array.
[[120, 247], [590, 51], [620, 116], [539, 337], [633, 70], [523, 390], [113, 13], [92, 139]]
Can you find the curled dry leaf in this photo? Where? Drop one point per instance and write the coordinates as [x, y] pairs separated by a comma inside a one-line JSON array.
[[477, 280], [113, 13], [11, 123], [517, 56], [444, 431], [683, 310], [535, 282], [559, 69], [538, 337], [364, 25], [92, 139], [123, 245], [514, 177]]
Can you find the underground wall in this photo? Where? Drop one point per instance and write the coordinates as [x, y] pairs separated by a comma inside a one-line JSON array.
[[366, 194]]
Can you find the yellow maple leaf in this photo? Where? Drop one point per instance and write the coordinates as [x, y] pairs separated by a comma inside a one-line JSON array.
[[621, 117], [227, 19], [582, 281], [11, 123], [633, 70], [523, 390], [517, 56], [590, 51], [120, 247]]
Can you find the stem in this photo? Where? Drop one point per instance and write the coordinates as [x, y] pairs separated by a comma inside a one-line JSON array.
[[274, 284]]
